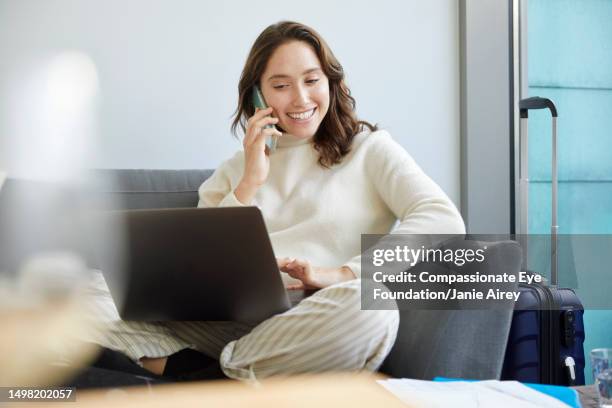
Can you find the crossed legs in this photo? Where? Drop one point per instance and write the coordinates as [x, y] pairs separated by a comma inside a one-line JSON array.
[[326, 332]]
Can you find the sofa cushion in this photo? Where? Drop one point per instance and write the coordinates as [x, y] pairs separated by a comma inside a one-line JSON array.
[[456, 343]]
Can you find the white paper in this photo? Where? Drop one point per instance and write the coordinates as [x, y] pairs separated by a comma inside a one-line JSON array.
[[521, 391], [460, 394]]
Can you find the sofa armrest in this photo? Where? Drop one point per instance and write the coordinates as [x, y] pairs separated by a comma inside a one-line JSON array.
[[456, 343]]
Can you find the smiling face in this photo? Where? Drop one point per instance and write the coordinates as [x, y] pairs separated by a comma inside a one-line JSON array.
[[294, 85]]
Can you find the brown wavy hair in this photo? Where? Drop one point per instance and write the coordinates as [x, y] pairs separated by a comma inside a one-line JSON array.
[[340, 125]]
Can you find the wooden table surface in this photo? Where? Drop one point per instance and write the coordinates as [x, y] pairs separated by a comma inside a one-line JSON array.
[[339, 390]]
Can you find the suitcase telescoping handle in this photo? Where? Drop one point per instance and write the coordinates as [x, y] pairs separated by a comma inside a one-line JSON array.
[[536, 102], [525, 105]]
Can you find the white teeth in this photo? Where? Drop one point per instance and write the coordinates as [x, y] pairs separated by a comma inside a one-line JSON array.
[[302, 115]]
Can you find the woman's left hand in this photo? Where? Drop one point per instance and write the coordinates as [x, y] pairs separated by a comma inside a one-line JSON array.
[[313, 277]]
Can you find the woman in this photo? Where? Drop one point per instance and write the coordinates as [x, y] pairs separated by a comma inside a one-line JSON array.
[[331, 179]]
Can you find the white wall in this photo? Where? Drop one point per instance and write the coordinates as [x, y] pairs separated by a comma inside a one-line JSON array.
[[168, 71]]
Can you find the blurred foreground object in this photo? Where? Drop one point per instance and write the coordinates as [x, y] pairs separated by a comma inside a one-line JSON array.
[[47, 241], [41, 313]]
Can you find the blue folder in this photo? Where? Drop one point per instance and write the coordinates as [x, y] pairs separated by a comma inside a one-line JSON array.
[[563, 394]]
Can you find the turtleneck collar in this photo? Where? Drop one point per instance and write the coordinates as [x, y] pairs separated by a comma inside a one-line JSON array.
[[287, 140]]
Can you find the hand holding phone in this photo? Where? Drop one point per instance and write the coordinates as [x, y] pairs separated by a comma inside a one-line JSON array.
[[259, 102], [258, 129]]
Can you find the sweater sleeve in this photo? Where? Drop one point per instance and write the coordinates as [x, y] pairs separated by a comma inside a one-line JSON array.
[[218, 189], [416, 200]]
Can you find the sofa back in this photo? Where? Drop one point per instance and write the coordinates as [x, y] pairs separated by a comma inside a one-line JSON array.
[[142, 189]]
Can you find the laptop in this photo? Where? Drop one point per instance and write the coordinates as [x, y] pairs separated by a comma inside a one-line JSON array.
[[194, 264]]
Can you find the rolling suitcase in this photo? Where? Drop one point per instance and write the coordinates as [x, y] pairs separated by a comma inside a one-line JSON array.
[[546, 339]]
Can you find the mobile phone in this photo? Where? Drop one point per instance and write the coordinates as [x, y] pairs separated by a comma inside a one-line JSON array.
[[259, 102]]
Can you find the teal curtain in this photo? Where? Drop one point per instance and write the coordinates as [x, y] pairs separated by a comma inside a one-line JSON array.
[[570, 62]]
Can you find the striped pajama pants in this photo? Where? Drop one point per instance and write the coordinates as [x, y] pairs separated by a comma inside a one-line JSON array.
[[327, 331]]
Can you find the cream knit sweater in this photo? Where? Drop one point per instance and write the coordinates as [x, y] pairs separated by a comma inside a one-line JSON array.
[[319, 214]]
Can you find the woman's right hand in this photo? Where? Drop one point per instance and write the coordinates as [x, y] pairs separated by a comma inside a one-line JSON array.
[[256, 160]]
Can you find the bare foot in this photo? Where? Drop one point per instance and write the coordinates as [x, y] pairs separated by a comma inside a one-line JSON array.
[[154, 365]]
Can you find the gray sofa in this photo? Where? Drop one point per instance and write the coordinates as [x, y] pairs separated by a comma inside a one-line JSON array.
[[450, 343]]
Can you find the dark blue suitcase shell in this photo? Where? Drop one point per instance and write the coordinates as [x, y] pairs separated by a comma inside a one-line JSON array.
[[547, 327]]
